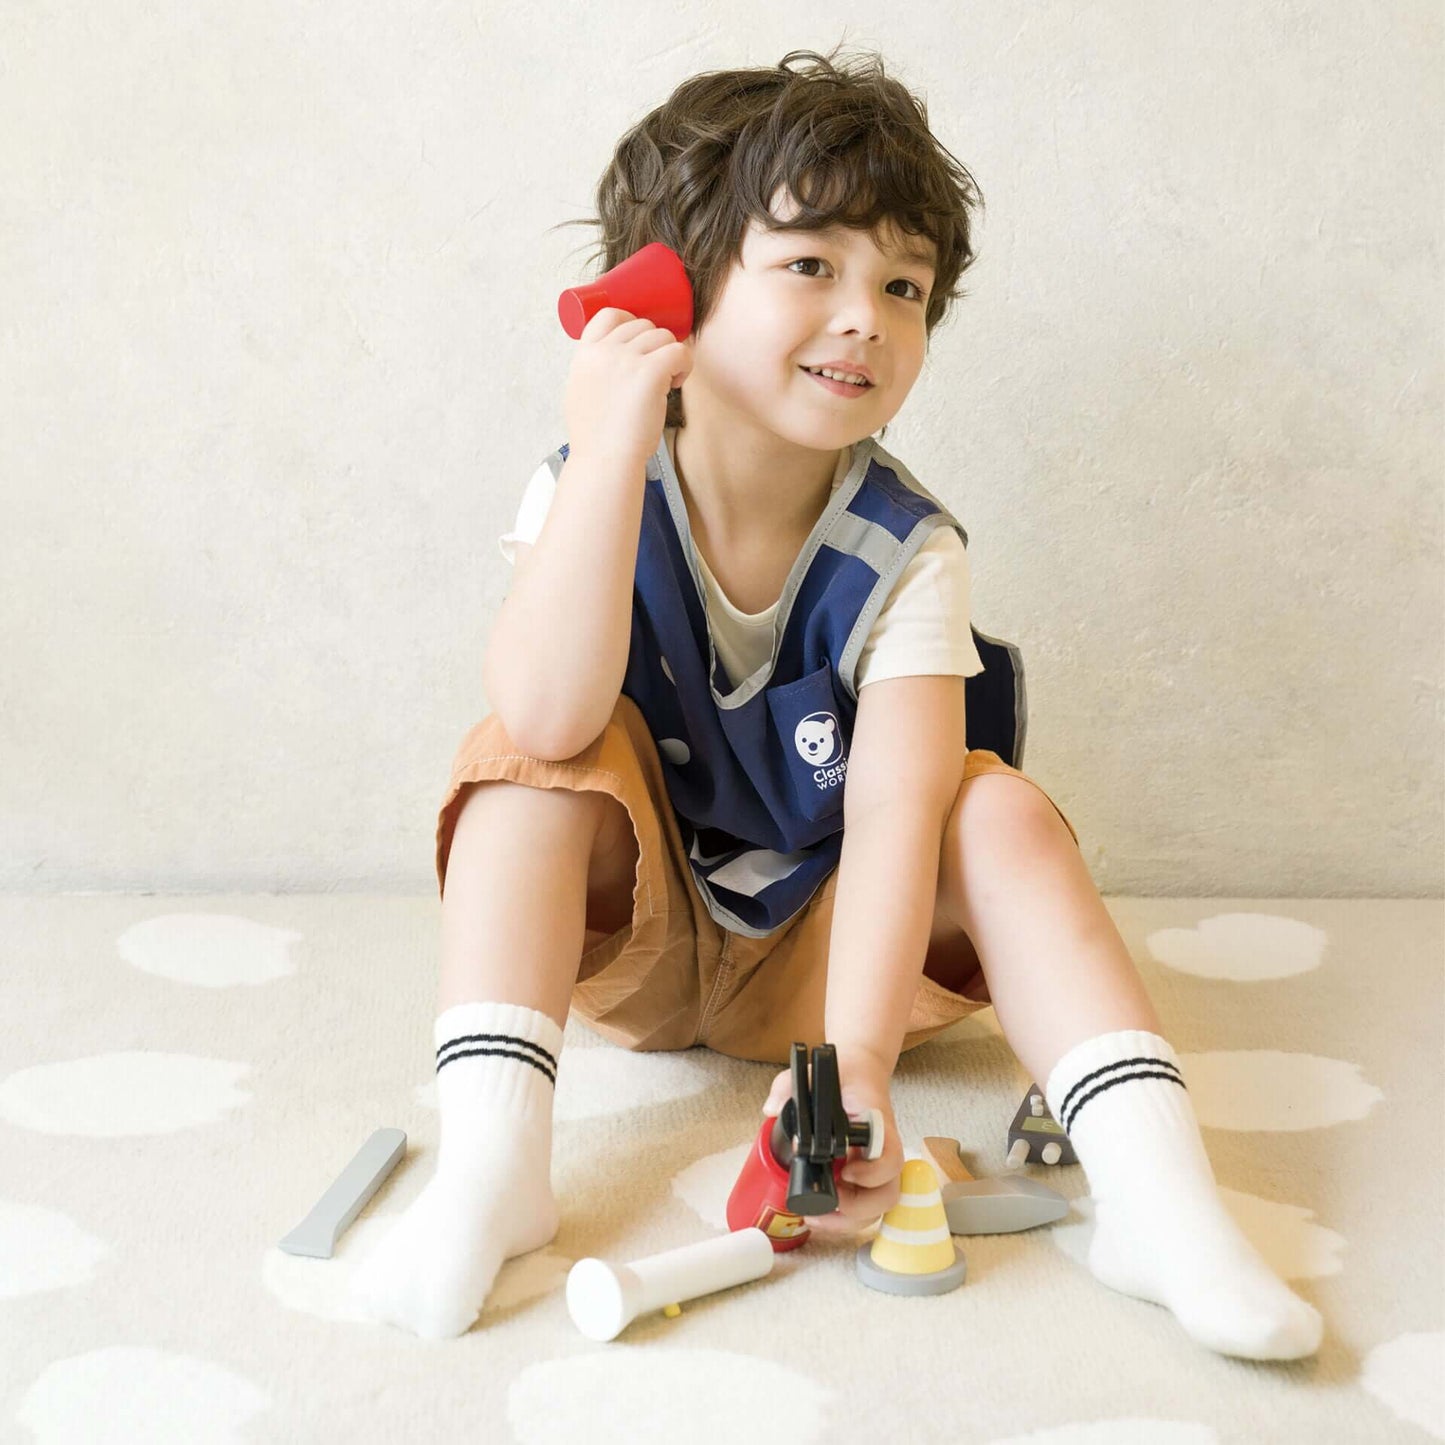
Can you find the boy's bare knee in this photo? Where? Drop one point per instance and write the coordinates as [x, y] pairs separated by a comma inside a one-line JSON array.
[[993, 807]]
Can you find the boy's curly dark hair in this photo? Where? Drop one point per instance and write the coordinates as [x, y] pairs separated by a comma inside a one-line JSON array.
[[849, 143]]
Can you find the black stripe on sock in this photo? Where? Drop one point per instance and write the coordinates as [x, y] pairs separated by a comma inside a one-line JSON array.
[[512, 1039], [1109, 1068], [501, 1053], [1162, 1069], [515, 1049]]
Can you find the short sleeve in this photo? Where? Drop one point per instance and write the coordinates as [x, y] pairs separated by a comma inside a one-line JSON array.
[[536, 502], [925, 626]]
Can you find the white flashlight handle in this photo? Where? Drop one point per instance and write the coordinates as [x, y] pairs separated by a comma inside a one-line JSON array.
[[604, 1298]]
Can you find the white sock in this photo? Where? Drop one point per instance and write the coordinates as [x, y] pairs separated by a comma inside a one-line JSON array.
[[1161, 1231], [491, 1196]]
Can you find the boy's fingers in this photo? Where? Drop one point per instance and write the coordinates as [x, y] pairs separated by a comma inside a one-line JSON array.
[[842, 1217], [858, 1206], [871, 1173], [841, 1223]]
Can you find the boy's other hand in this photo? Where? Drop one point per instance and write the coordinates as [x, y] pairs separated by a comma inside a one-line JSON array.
[[867, 1190]]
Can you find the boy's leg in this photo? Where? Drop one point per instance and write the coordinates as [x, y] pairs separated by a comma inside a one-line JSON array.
[[1056, 968], [1073, 1008], [514, 910], [501, 909]]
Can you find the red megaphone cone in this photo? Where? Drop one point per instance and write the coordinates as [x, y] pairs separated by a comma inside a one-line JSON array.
[[651, 283]]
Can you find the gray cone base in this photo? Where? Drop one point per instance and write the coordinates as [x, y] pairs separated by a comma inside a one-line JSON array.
[[940, 1282]]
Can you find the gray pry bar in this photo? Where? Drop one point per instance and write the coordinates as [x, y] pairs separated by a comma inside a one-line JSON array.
[[317, 1234]]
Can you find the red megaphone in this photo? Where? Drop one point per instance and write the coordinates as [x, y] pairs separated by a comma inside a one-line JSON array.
[[651, 283]]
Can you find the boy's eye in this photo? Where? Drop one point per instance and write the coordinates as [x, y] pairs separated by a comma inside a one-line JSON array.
[[818, 261]]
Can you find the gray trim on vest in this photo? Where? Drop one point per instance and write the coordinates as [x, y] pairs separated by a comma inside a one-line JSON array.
[[838, 529], [874, 545], [1021, 701]]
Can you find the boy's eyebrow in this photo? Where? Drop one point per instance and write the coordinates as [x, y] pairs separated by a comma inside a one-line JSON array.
[[907, 252]]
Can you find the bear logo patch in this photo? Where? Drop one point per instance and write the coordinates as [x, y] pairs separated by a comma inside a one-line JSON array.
[[819, 744]]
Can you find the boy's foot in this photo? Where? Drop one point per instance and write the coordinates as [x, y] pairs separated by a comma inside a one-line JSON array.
[[491, 1196], [1162, 1232], [432, 1272], [1199, 1265]]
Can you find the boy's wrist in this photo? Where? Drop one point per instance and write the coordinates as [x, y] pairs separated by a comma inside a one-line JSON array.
[[626, 464], [863, 1065]]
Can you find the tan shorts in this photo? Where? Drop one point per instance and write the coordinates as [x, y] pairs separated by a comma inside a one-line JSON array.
[[674, 977]]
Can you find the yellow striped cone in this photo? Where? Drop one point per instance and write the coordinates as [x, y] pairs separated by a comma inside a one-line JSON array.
[[914, 1237], [914, 1253]]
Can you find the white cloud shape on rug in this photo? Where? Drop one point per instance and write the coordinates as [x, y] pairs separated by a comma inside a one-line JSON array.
[[592, 1083], [210, 950], [1241, 947], [111, 1096], [1271, 1091], [705, 1184], [1132, 1431], [528, 1277], [1293, 1247], [43, 1249], [321, 1288], [125, 1393], [1407, 1375], [749, 1397]]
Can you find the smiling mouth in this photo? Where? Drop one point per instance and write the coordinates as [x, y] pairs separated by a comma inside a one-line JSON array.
[[844, 387]]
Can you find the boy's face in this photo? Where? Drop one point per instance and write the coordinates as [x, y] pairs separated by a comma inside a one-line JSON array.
[[780, 311]]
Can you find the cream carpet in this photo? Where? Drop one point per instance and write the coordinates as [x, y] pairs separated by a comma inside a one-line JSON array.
[[182, 1077]]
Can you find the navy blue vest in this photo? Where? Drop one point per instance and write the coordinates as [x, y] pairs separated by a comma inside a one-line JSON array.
[[756, 772]]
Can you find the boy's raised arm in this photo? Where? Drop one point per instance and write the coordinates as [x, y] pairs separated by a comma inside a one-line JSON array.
[[558, 650]]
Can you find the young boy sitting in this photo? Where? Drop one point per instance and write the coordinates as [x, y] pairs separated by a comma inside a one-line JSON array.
[[724, 797]]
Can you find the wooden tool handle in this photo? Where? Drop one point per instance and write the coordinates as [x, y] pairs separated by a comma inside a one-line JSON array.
[[944, 1156]]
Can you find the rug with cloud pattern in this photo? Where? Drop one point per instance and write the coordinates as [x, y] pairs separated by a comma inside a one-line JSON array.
[[181, 1079]]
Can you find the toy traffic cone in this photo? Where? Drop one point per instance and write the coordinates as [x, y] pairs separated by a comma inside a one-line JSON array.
[[651, 283], [914, 1252]]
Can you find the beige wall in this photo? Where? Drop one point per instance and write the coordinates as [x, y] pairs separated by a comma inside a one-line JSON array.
[[279, 350]]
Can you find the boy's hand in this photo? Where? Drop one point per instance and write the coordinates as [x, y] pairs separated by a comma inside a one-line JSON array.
[[866, 1190], [622, 371]]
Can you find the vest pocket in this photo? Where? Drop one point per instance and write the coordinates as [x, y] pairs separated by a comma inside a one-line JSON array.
[[809, 729]]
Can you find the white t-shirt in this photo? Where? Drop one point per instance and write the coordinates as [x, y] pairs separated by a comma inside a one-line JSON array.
[[922, 628]]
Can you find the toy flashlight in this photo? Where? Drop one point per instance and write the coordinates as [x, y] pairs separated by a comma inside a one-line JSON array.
[[793, 1166], [651, 283], [603, 1299]]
